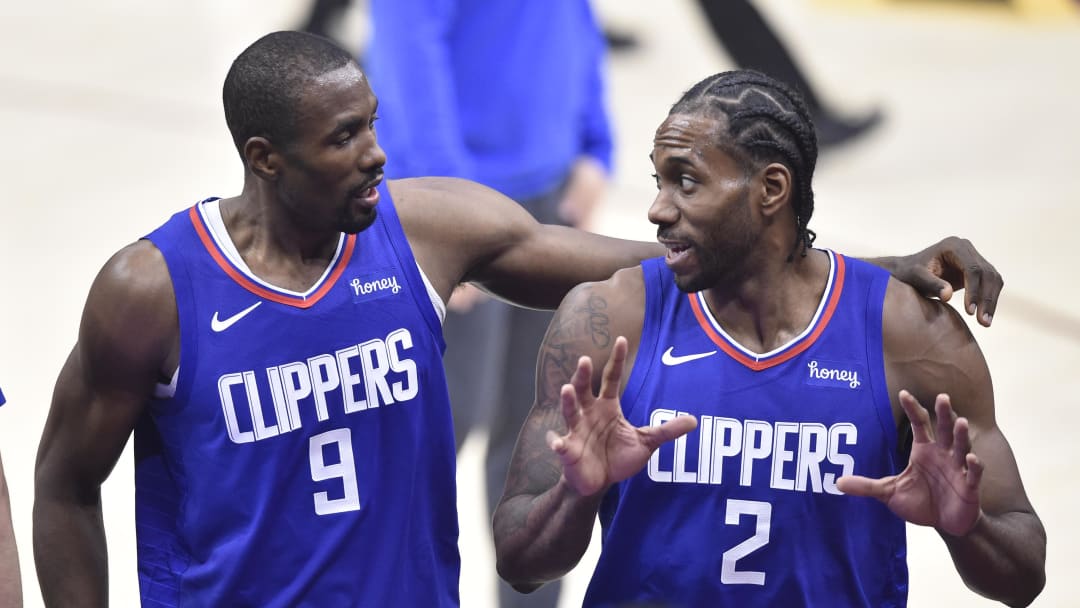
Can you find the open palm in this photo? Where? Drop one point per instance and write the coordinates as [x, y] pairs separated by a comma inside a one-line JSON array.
[[601, 447], [940, 486]]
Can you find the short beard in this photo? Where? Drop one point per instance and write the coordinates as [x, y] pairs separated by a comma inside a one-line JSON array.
[[357, 225], [726, 250]]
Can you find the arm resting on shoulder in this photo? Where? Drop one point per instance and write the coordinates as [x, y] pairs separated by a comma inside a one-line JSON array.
[[128, 328], [461, 231], [946, 266]]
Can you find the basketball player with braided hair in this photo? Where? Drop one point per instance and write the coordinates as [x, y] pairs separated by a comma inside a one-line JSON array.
[[774, 391]]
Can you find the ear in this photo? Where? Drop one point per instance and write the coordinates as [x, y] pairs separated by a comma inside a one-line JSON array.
[[262, 158], [776, 184]]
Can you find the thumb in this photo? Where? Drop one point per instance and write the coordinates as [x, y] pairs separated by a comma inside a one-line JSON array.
[[670, 430], [857, 485], [930, 285]]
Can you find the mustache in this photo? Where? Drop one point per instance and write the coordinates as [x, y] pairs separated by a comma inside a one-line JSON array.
[[373, 178], [666, 234]]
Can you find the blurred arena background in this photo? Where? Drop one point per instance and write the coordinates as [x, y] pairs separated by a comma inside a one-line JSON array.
[[111, 119]]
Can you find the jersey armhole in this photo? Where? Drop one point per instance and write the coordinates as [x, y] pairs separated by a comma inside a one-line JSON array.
[[650, 327]]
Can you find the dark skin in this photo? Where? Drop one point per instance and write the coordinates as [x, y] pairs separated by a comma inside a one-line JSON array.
[[298, 197], [729, 234]]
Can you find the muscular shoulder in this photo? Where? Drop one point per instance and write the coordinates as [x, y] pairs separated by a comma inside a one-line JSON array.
[[452, 223], [130, 313], [593, 314], [913, 323], [438, 205], [929, 350], [135, 276]]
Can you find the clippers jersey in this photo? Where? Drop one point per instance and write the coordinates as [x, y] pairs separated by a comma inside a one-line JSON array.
[[307, 455], [744, 510]]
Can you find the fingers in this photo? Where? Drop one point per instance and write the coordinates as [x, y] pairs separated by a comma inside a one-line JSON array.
[[944, 290], [919, 418], [857, 485], [946, 419], [982, 283], [678, 426], [928, 283], [556, 443], [568, 400], [581, 381], [613, 370], [986, 297], [974, 471], [962, 445]]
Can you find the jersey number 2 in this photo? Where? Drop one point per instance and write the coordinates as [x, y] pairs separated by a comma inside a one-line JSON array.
[[762, 512], [344, 469]]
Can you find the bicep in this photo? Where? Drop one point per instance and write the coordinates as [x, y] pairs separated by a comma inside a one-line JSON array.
[[931, 351], [126, 336], [545, 261], [86, 431]]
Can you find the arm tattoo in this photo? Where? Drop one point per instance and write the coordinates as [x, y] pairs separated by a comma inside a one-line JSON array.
[[563, 344], [558, 356], [598, 321]]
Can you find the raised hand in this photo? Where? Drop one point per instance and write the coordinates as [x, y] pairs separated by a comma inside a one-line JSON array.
[[601, 447], [940, 486]]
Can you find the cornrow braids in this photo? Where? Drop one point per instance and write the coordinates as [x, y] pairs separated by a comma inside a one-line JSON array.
[[767, 122]]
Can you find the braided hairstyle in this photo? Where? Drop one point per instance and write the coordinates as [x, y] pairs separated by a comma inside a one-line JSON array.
[[767, 122]]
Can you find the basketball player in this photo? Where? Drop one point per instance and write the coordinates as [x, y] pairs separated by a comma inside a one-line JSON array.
[[10, 578], [783, 373], [277, 356]]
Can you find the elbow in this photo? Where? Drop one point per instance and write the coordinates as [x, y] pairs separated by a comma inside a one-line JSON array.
[[510, 565], [514, 568], [1029, 588], [513, 573]]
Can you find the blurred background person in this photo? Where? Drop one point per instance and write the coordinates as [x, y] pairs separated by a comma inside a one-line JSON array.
[[10, 581], [509, 94], [752, 44]]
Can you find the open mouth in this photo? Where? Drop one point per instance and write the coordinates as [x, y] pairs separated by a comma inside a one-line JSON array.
[[678, 254], [368, 192]]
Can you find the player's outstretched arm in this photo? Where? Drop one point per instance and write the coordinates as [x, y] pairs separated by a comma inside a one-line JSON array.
[[575, 442], [461, 231], [128, 328], [962, 477], [950, 265]]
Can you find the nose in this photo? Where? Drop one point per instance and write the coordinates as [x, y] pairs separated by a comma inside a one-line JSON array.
[[662, 212], [373, 157]]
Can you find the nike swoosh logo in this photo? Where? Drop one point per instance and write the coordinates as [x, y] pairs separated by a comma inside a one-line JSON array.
[[669, 359], [219, 325]]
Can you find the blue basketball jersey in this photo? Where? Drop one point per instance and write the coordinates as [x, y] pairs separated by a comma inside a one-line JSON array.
[[744, 511], [306, 457]]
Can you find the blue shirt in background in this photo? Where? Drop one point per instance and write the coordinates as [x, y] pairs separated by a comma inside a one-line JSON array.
[[508, 93]]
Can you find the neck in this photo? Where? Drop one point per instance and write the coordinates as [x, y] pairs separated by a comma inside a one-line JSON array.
[[774, 301], [272, 243]]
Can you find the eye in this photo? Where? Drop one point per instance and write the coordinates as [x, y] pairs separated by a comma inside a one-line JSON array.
[[687, 183], [374, 118], [656, 178]]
